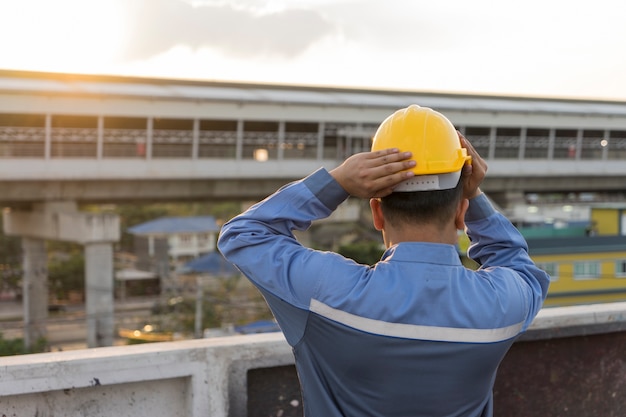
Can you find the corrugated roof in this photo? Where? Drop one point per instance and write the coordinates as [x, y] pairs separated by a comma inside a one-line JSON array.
[[169, 225], [211, 263], [14, 82], [571, 245]]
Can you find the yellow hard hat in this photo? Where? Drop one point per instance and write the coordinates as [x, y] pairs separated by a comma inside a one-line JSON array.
[[434, 142]]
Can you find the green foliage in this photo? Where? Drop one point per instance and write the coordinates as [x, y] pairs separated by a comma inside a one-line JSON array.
[[10, 263], [132, 215], [137, 341], [178, 314], [367, 253], [66, 271], [11, 347], [225, 301], [224, 211]]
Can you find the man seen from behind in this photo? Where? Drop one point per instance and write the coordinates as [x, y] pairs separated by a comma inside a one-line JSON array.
[[416, 334]]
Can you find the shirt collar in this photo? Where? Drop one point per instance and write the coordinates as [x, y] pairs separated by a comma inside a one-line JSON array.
[[434, 253]]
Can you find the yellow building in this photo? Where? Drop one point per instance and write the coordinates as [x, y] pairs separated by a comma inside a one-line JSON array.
[[609, 219], [587, 263], [589, 267], [585, 269]]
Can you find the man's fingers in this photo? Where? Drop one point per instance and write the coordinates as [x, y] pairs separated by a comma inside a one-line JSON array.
[[372, 173], [389, 155], [384, 152], [390, 161], [384, 186]]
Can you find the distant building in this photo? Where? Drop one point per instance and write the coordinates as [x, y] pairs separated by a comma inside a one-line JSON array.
[[179, 239], [213, 263], [609, 219], [586, 260], [584, 254], [584, 269], [208, 271]]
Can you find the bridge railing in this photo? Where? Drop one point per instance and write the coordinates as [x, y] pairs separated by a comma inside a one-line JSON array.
[[276, 141]]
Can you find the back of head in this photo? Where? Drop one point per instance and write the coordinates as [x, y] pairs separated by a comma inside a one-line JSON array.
[[434, 192]]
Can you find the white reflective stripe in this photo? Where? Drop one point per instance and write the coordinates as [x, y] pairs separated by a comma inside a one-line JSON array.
[[415, 331]]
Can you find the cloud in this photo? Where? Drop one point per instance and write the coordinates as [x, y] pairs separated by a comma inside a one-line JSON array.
[[159, 25]]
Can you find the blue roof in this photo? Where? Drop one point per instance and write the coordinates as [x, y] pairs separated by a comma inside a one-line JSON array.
[[169, 225], [212, 263], [261, 326]]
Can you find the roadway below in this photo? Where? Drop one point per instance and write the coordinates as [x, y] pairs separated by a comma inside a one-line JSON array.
[[67, 330]]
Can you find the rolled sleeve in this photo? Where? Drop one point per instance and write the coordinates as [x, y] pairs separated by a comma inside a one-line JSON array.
[[326, 189], [479, 208]]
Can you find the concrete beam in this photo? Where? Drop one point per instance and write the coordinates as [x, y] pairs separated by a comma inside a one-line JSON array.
[[149, 191], [106, 181], [60, 220], [76, 227]]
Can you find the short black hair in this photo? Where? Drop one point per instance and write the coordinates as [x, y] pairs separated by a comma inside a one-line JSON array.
[[421, 207]]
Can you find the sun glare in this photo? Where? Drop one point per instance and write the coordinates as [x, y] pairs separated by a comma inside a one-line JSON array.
[[63, 35]]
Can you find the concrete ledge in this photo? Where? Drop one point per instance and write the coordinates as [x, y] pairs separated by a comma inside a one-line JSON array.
[[189, 378], [571, 361], [579, 320]]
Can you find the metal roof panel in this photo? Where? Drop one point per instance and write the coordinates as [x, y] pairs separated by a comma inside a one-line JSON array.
[[171, 225]]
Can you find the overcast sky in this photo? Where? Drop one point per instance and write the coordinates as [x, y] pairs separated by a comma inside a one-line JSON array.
[[545, 48]]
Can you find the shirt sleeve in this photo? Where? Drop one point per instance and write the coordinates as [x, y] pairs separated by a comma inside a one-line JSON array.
[[260, 241], [496, 243]]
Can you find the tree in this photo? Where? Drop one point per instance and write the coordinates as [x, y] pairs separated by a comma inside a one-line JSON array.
[[10, 263], [66, 269], [11, 347], [367, 253]]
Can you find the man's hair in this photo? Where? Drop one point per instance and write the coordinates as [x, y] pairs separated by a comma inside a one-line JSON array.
[[421, 207]]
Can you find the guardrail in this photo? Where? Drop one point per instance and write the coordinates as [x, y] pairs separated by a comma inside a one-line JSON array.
[[570, 361], [149, 142]]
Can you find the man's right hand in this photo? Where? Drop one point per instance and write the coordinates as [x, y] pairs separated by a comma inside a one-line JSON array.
[[374, 174], [473, 174]]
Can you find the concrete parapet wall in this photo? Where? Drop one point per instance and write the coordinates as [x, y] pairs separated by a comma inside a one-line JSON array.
[[571, 362], [193, 378]]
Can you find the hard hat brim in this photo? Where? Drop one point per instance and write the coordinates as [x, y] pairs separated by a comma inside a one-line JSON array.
[[429, 182]]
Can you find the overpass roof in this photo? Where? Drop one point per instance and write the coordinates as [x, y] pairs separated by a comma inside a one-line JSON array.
[[19, 82]]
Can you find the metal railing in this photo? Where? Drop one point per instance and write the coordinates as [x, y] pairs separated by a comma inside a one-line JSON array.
[[333, 143]]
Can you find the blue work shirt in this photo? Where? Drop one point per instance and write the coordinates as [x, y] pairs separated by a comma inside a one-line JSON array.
[[417, 334]]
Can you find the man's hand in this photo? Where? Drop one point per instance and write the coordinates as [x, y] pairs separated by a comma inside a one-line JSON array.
[[373, 174], [473, 174]]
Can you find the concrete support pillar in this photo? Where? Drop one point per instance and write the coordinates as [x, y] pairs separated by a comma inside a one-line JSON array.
[[321, 128], [195, 142], [239, 140], [35, 289], [198, 331], [493, 134], [99, 294], [281, 141], [61, 221]]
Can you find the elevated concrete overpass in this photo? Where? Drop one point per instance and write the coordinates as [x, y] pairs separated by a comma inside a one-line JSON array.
[[215, 180], [111, 139], [71, 139]]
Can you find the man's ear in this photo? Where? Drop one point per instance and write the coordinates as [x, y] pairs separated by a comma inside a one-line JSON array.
[[459, 218], [377, 214]]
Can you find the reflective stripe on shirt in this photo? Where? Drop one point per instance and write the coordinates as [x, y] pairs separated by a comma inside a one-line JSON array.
[[415, 331]]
